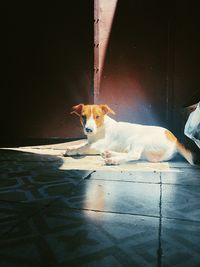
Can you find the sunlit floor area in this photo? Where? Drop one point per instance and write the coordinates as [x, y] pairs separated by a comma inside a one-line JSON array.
[[63, 211]]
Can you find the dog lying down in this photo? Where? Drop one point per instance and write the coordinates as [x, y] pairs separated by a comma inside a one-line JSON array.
[[120, 142]]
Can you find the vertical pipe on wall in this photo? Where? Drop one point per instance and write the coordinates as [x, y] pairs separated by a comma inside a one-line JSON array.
[[96, 50], [104, 12]]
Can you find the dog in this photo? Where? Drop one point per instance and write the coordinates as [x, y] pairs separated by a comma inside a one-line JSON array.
[[120, 142]]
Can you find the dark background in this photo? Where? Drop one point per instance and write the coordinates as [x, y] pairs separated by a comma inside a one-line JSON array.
[[151, 69], [49, 67]]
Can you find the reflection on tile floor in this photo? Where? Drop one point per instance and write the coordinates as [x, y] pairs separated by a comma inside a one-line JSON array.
[[54, 217]]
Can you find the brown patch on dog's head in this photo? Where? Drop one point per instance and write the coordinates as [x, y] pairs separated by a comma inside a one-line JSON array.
[[77, 109], [95, 113], [106, 109], [98, 112]]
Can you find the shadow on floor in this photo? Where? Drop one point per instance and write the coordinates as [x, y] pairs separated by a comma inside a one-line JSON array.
[[54, 217]]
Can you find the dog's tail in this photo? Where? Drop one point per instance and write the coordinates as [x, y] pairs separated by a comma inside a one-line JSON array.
[[186, 153]]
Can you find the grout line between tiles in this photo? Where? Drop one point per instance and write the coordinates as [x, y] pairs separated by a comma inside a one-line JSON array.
[[125, 181], [160, 251], [131, 214], [113, 212], [141, 182]]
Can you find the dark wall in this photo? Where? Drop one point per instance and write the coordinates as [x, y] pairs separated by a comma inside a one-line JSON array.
[[134, 76], [186, 60], [151, 66], [49, 65]]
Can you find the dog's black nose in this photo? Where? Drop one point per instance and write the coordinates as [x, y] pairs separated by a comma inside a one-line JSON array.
[[88, 130]]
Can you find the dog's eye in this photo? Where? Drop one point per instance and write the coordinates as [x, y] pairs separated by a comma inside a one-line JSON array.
[[83, 117], [97, 117]]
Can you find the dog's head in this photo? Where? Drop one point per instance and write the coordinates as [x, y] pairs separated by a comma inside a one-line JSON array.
[[91, 116]]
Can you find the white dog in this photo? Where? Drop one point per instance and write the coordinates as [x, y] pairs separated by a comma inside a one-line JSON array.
[[120, 142]]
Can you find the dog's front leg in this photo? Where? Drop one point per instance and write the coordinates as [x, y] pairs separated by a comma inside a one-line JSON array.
[[116, 158], [82, 149]]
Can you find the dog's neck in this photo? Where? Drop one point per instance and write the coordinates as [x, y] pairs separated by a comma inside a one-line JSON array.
[[101, 131]]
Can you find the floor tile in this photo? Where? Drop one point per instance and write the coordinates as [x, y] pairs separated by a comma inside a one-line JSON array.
[[180, 162], [180, 243], [186, 176], [180, 201], [122, 197]]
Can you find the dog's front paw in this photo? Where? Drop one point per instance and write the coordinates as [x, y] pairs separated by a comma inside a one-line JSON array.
[[112, 161], [70, 151]]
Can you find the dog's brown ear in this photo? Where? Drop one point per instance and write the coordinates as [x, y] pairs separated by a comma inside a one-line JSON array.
[[77, 109], [106, 109]]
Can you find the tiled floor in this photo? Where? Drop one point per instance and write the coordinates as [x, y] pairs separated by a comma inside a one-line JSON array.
[[50, 216]]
